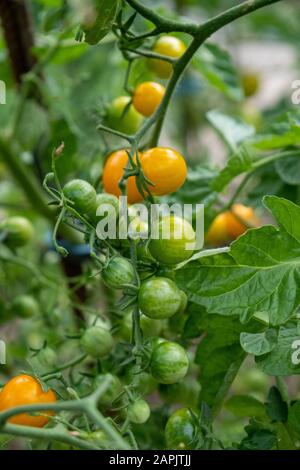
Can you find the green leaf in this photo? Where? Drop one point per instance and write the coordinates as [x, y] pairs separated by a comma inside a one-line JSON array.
[[197, 187], [68, 51], [234, 131], [50, 3], [237, 164], [105, 12], [259, 437], [267, 181], [216, 66], [289, 169], [287, 134], [259, 343], [192, 327], [277, 409], [219, 353], [284, 359], [259, 274], [33, 125], [286, 213], [245, 406], [294, 418]]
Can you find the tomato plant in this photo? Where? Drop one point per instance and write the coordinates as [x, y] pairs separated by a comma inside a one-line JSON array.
[[168, 320]]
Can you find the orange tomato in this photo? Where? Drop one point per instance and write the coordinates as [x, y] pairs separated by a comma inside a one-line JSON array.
[[147, 97], [240, 218], [168, 46], [26, 390], [112, 174], [165, 168], [218, 231], [231, 224]]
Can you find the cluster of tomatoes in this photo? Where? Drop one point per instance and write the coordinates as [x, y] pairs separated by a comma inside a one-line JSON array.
[[158, 297]]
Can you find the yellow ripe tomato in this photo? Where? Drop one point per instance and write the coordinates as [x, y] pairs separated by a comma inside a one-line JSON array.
[[26, 390], [165, 168], [168, 46], [218, 231], [231, 224], [147, 97], [112, 174], [240, 218]]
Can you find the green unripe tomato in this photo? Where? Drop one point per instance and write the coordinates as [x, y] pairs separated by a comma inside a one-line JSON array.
[[184, 302], [97, 437], [250, 83], [118, 272], [111, 203], [127, 121], [149, 326], [181, 430], [174, 236], [113, 390], [17, 231], [47, 357], [138, 412], [176, 322], [169, 362], [185, 392], [25, 306], [97, 341], [159, 298], [82, 194], [146, 384]]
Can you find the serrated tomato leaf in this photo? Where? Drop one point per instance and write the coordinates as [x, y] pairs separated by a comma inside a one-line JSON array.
[[259, 343], [284, 358], [219, 353], [261, 273]]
